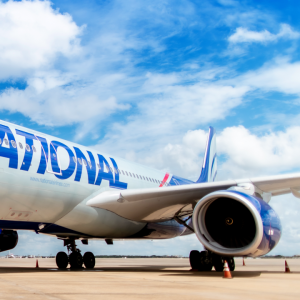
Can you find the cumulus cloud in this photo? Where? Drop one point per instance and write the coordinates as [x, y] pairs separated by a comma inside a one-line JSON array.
[[249, 154], [32, 35], [243, 35], [280, 75]]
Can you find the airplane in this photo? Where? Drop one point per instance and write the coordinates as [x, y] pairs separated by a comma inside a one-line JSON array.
[[75, 193]]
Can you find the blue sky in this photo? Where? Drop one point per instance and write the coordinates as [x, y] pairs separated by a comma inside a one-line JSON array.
[[144, 80]]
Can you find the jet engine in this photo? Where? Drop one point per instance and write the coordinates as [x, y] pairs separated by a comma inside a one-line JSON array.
[[8, 240], [232, 223]]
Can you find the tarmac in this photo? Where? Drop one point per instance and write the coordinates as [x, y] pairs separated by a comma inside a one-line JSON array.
[[147, 278]]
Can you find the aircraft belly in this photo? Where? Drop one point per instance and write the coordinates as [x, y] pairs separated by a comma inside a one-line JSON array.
[[99, 222]]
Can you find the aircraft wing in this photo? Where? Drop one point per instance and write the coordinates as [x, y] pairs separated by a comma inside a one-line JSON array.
[[163, 203]]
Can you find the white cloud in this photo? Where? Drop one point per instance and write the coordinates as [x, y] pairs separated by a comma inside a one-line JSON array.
[[279, 75], [243, 35], [32, 35], [58, 106], [249, 154], [170, 105]]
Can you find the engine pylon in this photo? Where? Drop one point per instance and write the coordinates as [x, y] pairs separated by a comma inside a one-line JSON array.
[[226, 271], [287, 268]]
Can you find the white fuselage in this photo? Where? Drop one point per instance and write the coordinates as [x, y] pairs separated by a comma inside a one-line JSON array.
[[30, 192]]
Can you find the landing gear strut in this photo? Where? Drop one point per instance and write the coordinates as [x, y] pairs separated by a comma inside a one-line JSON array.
[[205, 260], [75, 258]]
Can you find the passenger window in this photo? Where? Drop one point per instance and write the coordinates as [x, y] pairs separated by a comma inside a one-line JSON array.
[[74, 159], [6, 141], [133, 175], [111, 169], [20, 145], [130, 174], [99, 166], [144, 177], [0, 141], [33, 149], [116, 171], [126, 173], [84, 161], [27, 148], [54, 155], [13, 143], [79, 160], [123, 172]]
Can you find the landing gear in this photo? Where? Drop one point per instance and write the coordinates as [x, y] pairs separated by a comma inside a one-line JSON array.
[[231, 263], [201, 261], [62, 260], [218, 262], [89, 260], [75, 258], [205, 260]]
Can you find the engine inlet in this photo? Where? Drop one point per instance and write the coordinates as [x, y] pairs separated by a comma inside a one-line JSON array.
[[230, 223]]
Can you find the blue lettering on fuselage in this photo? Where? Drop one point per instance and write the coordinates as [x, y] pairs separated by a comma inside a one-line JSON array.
[[10, 151], [117, 184], [102, 175], [81, 160], [44, 155], [28, 152], [65, 174]]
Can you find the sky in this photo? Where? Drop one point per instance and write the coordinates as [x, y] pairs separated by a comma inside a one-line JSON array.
[[145, 79]]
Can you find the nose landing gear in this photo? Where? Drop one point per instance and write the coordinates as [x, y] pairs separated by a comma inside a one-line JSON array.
[[75, 258]]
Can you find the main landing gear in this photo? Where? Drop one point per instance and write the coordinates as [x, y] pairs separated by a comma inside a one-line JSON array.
[[75, 258], [205, 260]]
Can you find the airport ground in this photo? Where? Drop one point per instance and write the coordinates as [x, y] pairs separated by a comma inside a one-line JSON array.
[[147, 278]]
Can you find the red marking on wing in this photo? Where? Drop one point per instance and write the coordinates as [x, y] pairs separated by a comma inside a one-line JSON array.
[[165, 179]]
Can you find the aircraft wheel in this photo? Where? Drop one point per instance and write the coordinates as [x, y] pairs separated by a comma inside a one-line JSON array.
[[218, 263], [231, 263], [62, 260], [205, 261], [89, 260], [76, 260], [195, 259]]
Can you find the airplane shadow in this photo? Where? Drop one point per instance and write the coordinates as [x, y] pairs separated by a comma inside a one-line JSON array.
[[171, 271]]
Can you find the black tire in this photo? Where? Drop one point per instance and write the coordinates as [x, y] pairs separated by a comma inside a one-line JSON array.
[[62, 260], [231, 263], [195, 259], [75, 260], [218, 263], [89, 260], [205, 261]]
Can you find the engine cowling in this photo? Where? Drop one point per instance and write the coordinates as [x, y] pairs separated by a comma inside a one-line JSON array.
[[8, 240], [231, 223]]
